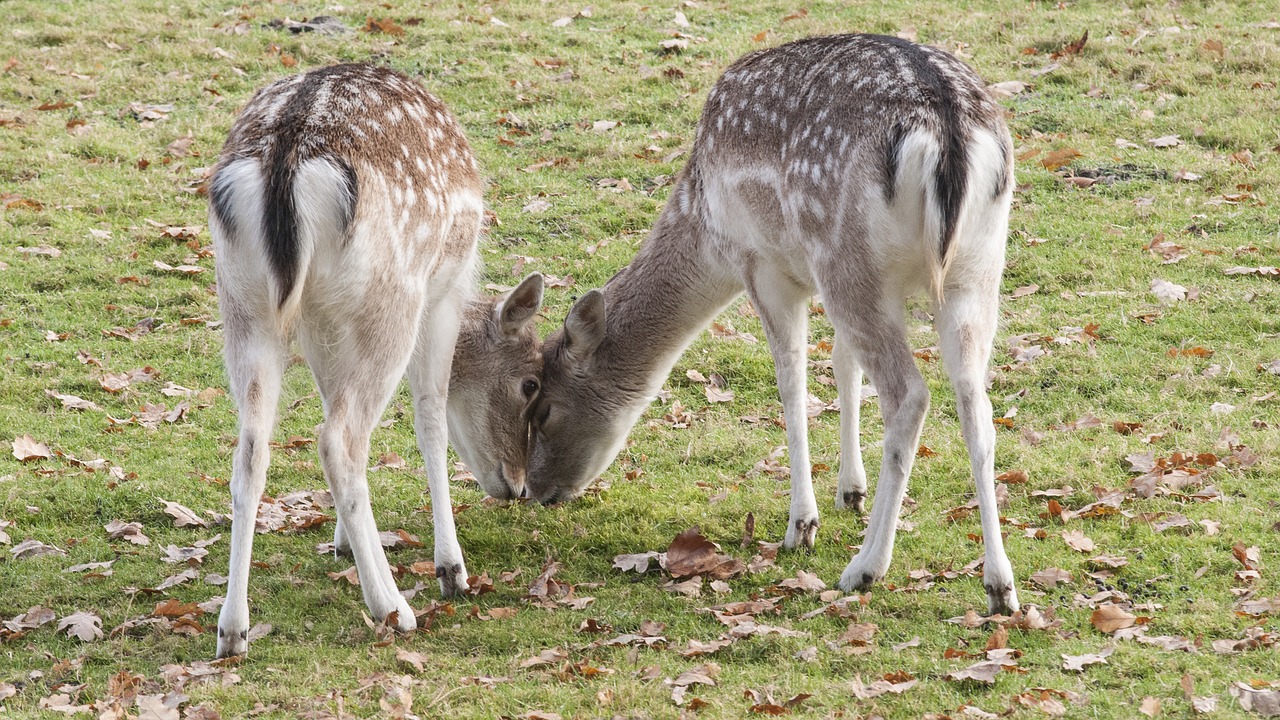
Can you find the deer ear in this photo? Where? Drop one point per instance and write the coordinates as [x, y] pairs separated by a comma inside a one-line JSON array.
[[584, 327], [521, 305]]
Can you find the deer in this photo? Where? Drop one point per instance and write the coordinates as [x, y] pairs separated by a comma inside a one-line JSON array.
[[345, 212], [860, 168]]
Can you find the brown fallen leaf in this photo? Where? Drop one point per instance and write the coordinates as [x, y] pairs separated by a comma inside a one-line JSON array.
[[984, 672], [1168, 642], [27, 448], [32, 548], [896, 683], [1008, 88], [175, 608], [696, 648], [1059, 158], [73, 402], [1072, 48], [131, 531], [61, 703], [550, 656], [858, 633], [85, 626], [350, 575], [692, 554], [1050, 577], [412, 657], [1167, 292], [689, 588], [1076, 540], [182, 515], [92, 566], [33, 618], [1249, 557], [1263, 702], [1077, 663], [803, 582], [638, 562], [1110, 618], [702, 675]]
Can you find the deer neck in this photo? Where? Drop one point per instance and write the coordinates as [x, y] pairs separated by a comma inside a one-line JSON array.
[[672, 290]]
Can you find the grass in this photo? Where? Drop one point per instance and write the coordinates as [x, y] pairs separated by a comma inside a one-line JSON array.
[[98, 183]]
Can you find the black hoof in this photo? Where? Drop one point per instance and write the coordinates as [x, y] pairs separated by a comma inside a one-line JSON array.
[[854, 500]]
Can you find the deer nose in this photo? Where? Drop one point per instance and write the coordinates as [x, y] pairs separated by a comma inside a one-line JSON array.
[[513, 475]]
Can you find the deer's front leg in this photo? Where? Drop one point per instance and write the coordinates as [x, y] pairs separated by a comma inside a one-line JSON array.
[[783, 308], [429, 382]]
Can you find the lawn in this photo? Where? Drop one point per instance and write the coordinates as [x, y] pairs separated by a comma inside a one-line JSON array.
[[1136, 381]]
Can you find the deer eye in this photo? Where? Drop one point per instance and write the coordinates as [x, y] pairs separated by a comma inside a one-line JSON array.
[[529, 387]]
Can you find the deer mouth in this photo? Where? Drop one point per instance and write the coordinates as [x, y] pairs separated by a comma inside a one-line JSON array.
[[512, 478]]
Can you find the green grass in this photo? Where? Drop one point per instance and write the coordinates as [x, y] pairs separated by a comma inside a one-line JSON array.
[[1135, 79]]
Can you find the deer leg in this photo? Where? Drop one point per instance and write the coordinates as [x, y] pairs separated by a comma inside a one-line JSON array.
[[355, 386], [783, 308], [966, 328], [851, 492], [341, 545], [255, 363], [904, 400], [429, 382]]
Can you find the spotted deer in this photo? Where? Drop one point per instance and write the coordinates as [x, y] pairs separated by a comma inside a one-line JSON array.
[[345, 212], [860, 168]]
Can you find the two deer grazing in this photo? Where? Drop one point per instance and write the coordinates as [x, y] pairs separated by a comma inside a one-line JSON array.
[[859, 168]]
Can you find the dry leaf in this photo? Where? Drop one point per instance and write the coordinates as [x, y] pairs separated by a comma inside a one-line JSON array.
[[984, 672], [804, 582], [1076, 540], [1265, 703], [1059, 158], [73, 402], [1008, 88], [1166, 291], [27, 448], [639, 562], [412, 657], [350, 575], [1050, 577], [131, 531], [1079, 662], [183, 516], [1110, 618], [83, 625], [551, 656], [692, 554], [31, 548], [896, 683]]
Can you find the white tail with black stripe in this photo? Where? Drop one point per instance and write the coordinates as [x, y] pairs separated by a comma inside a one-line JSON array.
[[860, 168], [345, 212]]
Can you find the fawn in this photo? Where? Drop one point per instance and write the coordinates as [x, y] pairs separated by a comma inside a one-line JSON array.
[[860, 168], [345, 212]]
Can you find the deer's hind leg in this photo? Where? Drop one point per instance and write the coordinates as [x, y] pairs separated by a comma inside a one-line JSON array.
[[876, 332], [966, 328], [358, 357], [254, 354]]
